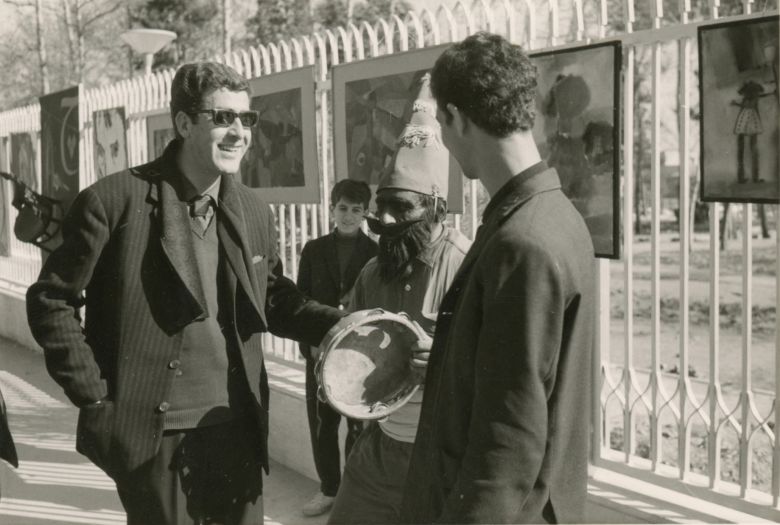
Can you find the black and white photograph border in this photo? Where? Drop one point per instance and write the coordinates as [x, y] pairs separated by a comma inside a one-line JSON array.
[[740, 107], [287, 105], [577, 129], [410, 63]]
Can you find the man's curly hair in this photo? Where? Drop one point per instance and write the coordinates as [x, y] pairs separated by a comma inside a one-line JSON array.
[[490, 80]]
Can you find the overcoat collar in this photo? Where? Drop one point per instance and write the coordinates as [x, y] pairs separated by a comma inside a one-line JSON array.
[[176, 239], [517, 191], [235, 241]]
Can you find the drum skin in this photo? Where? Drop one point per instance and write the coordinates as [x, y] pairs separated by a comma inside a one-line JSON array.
[[364, 371]]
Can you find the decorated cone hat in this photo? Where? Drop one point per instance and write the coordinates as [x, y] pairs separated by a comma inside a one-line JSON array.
[[421, 162]]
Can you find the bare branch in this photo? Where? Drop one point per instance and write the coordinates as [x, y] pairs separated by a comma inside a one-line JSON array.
[[83, 5], [19, 3], [100, 15]]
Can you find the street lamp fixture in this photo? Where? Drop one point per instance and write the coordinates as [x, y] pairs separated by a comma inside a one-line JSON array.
[[147, 42]]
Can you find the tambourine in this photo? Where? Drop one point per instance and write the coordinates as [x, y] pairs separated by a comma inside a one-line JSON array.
[[363, 371]]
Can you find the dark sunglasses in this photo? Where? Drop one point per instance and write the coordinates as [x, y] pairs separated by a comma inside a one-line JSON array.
[[226, 117]]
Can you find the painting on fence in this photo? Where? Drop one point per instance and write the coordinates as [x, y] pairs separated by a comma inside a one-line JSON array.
[[60, 145], [372, 103], [23, 159], [576, 129], [159, 132], [282, 158], [738, 89], [110, 141]]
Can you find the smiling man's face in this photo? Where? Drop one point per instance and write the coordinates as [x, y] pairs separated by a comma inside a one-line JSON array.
[[219, 149]]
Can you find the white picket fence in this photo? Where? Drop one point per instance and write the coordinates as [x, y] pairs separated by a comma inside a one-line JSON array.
[[647, 408]]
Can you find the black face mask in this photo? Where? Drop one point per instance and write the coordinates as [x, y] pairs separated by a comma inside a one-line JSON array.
[[390, 230]]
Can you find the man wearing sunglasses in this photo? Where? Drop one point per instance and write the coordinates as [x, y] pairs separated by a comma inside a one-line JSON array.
[[177, 265]]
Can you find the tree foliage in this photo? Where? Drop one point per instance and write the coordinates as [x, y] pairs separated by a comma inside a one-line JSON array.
[[76, 43], [195, 22], [329, 14], [279, 20]]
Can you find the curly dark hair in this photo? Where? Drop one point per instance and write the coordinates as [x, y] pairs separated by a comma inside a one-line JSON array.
[[490, 80], [196, 81]]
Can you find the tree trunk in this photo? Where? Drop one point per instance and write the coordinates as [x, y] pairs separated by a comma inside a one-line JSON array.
[[42, 61], [129, 16], [80, 61], [762, 218], [724, 226], [692, 210], [638, 193], [67, 17], [226, 34]]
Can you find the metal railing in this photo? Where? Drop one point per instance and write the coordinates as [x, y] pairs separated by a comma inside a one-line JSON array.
[[647, 420]]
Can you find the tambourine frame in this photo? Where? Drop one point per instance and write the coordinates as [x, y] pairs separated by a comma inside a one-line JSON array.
[[335, 336]]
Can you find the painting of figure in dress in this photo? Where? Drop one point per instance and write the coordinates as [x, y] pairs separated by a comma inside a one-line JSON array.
[[739, 106]]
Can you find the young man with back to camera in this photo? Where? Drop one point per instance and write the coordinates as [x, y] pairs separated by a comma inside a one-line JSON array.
[[504, 427]]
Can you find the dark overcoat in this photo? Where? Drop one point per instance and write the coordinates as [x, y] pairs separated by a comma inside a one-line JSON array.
[[127, 255], [504, 428], [319, 275]]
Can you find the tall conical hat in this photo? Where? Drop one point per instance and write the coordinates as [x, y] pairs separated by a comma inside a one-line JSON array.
[[421, 162]]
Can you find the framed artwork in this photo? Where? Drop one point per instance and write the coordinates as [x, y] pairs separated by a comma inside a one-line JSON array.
[[738, 89], [24, 159], [159, 132], [577, 131], [372, 102], [282, 158], [110, 141], [60, 132]]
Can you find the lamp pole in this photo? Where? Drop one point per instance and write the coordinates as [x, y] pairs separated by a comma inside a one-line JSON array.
[[147, 42]]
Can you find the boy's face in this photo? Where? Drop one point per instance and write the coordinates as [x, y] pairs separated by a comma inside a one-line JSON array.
[[348, 216]]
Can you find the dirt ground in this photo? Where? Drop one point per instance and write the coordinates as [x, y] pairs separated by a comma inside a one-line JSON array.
[[764, 302]]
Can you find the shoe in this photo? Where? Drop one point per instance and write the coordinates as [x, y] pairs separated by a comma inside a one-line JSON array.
[[319, 504]]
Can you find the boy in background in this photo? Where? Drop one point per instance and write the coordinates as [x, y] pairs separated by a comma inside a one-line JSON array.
[[328, 269]]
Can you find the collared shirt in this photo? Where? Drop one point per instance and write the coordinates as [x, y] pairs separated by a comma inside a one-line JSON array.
[[418, 295], [188, 195]]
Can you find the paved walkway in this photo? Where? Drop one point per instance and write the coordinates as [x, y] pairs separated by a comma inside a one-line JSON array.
[[54, 484]]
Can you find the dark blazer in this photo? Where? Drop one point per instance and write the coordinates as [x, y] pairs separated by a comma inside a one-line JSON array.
[[7, 449], [504, 427], [319, 276], [127, 245]]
